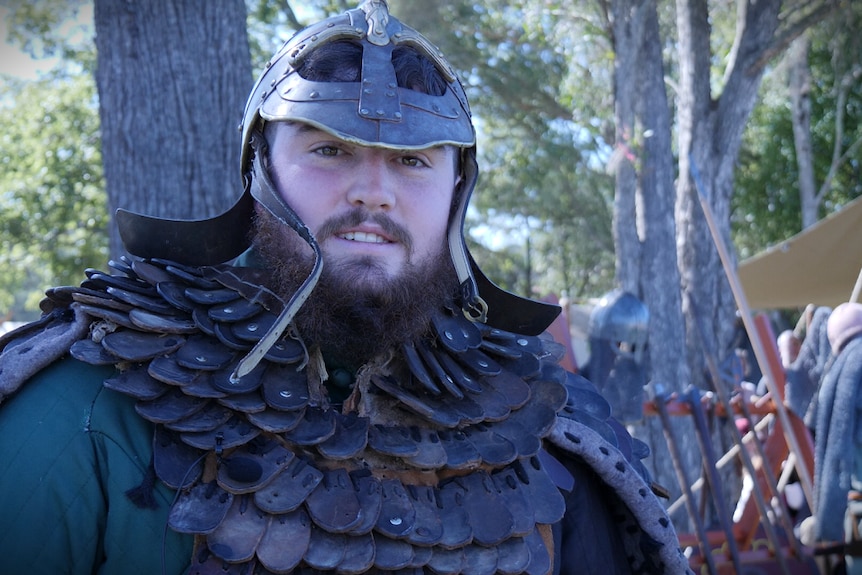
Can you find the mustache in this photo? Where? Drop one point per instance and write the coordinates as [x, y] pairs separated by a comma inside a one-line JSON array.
[[360, 215]]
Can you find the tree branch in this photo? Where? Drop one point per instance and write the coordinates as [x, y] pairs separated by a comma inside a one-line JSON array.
[[791, 32], [285, 7]]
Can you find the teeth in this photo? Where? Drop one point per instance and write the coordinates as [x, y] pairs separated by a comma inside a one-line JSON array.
[[363, 237]]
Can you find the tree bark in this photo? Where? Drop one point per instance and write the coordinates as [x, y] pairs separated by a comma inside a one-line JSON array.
[[710, 134], [645, 251], [172, 76], [799, 83]]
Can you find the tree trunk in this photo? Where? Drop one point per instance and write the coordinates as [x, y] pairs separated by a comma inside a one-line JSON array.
[[710, 135], [646, 252], [628, 34], [173, 76], [799, 83]]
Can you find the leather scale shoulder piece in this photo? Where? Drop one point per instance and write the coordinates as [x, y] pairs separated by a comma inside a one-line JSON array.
[[585, 428], [433, 465]]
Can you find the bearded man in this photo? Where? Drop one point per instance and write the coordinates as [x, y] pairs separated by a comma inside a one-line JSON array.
[[320, 380]]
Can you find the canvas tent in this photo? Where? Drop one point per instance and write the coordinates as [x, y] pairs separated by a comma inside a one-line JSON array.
[[819, 265]]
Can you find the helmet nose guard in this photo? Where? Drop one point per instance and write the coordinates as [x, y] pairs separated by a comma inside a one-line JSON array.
[[374, 112]]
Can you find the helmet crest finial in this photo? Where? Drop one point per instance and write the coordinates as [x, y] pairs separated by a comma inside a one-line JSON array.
[[377, 16]]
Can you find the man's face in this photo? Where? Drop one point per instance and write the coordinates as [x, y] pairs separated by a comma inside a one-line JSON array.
[[375, 212]]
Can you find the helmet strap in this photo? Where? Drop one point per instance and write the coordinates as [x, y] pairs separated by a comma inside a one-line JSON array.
[[473, 306], [264, 192]]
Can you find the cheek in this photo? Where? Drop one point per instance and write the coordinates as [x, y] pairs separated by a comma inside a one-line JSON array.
[[304, 195], [433, 223], [440, 221]]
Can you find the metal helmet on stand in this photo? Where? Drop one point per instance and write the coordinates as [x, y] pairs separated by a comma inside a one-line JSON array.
[[623, 320]]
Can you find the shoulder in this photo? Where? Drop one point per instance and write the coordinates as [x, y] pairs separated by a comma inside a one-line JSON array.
[[28, 350], [64, 413], [68, 403], [851, 355], [69, 450], [61, 394], [587, 437]]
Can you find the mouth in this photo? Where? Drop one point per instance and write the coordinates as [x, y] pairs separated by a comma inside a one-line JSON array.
[[364, 237]]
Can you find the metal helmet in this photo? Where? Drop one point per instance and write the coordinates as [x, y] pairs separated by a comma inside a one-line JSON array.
[[373, 112], [623, 320], [843, 324]]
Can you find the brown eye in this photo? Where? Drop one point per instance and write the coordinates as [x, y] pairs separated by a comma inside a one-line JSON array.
[[327, 151], [412, 161]]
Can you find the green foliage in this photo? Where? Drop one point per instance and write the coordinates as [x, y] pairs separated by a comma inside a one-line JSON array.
[[270, 24], [51, 28], [766, 205], [53, 212], [52, 203]]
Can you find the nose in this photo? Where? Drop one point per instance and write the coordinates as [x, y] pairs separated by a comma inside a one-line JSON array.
[[373, 187]]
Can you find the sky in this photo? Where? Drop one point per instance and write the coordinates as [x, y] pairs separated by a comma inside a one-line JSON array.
[[12, 60], [15, 62]]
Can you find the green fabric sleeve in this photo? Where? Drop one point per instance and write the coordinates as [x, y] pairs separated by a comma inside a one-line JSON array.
[[69, 450]]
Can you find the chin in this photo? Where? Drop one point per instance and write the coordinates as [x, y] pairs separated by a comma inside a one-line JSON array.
[[364, 272]]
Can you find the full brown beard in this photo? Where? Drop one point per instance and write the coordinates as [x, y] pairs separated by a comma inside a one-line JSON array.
[[351, 318]]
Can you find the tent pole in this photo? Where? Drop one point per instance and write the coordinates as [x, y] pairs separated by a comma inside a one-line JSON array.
[[854, 297], [754, 336]]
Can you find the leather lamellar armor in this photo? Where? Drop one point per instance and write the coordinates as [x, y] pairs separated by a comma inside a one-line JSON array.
[[433, 464]]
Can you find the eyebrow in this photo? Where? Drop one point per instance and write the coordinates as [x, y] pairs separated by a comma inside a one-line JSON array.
[[305, 128]]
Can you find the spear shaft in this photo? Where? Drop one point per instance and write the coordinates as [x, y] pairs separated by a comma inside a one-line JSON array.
[[753, 334]]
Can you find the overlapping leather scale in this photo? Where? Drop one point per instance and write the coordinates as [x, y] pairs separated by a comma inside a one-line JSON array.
[[587, 406], [479, 400]]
